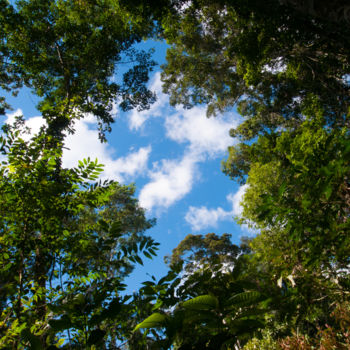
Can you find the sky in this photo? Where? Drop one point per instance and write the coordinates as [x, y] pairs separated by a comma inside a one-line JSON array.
[[172, 155]]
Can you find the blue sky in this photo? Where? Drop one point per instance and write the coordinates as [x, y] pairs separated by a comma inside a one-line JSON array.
[[174, 158]]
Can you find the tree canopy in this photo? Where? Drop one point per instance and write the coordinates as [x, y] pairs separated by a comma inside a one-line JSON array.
[[68, 54], [227, 53], [284, 65], [68, 240], [286, 70], [67, 243]]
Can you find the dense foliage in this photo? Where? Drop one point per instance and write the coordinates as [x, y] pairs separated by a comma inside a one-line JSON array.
[[67, 243], [289, 78], [67, 54]]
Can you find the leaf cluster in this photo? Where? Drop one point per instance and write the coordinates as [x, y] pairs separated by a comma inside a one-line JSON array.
[[68, 53]]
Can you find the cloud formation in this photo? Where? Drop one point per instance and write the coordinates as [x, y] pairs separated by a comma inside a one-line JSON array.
[[203, 138], [34, 123], [170, 181], [84, 143], [201, 217]]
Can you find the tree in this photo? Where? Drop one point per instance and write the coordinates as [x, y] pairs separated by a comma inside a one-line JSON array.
[[9, 80], [299, 183], [66, 246], [270, 68], [66, 243], [288, 77], [67, 53], [210, 249], [335, 12], [297, 196], [285, 66], [213, 304]]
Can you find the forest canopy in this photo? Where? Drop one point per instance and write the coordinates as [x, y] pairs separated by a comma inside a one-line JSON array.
[[69, 240]]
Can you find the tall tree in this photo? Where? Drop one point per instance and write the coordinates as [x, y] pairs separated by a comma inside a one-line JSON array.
[[195, 251], [68, 52], [285, 66], [214, 303], [66, 245], [287, 72], [267, 57], [9, 79]]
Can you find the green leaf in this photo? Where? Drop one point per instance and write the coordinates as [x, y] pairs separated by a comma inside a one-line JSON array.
[[282, 189], [244, 299], [104, 225], [152, 252], [147, 255], [202, 302], [138, 259], [157, 305], [154, 321], [116, 228], [148, 283], [328, 191], [142, 244], [148, 290], [169, 277]]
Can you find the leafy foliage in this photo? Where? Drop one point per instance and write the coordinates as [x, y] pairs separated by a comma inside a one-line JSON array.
[[68, 54], [67, 243], [66, 246], [283, 64], [270, 68], [232, 309], [153, 321], [210, 248]]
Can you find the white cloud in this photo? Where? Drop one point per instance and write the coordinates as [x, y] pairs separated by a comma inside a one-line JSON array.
[[201, 217], [84, 143], [191, 126], [236, 199], [130, 166], [170, 181], [202, 137], [34, 123]]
